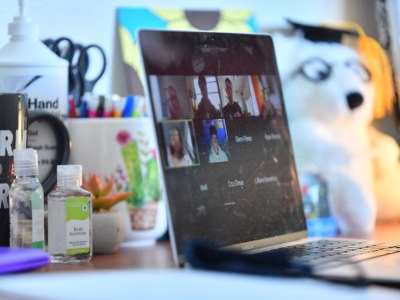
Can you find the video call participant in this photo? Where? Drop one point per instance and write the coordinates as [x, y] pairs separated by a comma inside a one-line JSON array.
[[267, 108], [232, 108], [205, 109], [176, 154], [216, 153], [174, 106]]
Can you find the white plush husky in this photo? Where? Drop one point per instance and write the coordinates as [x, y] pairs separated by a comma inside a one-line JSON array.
[[330, 97]]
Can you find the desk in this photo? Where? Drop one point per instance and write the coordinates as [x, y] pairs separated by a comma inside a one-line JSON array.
[[159, 256], [149, 273]]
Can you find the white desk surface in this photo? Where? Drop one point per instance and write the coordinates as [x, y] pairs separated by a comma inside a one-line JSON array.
[[175, 284]]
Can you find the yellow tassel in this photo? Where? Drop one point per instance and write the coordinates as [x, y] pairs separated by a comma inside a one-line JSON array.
[[378, 64]]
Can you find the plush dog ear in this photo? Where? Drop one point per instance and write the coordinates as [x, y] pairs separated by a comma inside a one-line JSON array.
[[285, 50]]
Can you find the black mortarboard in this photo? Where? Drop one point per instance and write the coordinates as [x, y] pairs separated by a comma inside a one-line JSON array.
[[323, 33]]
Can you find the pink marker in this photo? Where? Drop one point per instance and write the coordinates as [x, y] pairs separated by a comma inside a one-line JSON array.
[[93, 102]]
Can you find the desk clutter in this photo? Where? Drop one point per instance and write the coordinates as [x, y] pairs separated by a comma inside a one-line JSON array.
[[83, 62], [114, 106], [51, 111]]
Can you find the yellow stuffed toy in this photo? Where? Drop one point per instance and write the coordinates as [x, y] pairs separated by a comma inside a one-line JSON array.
[[333, 92]]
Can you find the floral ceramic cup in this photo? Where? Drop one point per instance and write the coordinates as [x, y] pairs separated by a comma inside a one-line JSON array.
[[124, 149]]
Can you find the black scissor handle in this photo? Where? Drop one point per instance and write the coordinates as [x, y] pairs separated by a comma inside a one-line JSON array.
[[66, 52], [87, 85], [65, 48]]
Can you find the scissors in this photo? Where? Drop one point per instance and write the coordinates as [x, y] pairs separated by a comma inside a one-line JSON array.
[[86, 84], [78, 57]]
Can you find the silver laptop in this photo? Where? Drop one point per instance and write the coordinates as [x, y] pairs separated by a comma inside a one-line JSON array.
[[226, 154]]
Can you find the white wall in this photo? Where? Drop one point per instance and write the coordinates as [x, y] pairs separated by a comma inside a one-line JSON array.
[[93, 21]]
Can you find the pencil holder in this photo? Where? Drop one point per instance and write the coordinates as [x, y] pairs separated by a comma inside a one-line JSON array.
[[124, 150]]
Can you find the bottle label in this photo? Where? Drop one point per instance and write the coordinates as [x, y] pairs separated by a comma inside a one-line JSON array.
[[46, 91], [78, 225], [37, 219]]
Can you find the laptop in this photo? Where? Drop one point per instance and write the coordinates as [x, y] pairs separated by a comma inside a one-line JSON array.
[[227, 162]]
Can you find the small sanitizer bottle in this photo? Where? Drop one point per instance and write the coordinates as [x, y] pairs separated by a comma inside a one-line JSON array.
[[69, 217], [26, 202]]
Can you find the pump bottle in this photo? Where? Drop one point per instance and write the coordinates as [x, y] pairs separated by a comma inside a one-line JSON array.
[[28, 66]]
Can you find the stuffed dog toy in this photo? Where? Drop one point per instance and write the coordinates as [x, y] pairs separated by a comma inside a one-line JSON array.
[[332, 93]]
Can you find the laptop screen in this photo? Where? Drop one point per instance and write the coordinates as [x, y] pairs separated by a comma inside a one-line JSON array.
[[223, 136]]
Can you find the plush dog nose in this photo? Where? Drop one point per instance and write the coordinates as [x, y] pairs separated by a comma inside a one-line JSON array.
[[354, 100]]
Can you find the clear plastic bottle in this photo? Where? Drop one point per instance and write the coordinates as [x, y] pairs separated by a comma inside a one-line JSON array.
[[69, 217], [26, 202]]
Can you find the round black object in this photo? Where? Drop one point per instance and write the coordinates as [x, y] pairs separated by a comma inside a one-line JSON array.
[[49, 136]]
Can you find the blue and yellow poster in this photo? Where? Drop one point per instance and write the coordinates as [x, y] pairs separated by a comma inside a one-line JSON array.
[[131, 19]]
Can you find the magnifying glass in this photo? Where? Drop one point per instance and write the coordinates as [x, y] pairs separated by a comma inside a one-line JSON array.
[[48, 135]]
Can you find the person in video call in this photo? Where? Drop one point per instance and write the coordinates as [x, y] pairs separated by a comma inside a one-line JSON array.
[[216, 153], [205, 109], [267, 108], [176, 153], [232, 108], [174, 106]]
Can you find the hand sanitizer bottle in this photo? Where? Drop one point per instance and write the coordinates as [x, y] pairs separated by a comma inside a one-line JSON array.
[[69, 217], [26, 202], [28, 66]]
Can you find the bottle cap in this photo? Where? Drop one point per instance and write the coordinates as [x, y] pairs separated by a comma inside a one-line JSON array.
[[22, 25], [69, 175], [26, 162]]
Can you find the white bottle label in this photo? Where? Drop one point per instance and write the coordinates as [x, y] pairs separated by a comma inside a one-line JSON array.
[[46, 90], [78, 225]]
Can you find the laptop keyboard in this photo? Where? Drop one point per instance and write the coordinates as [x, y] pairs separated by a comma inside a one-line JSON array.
[[334, 252]]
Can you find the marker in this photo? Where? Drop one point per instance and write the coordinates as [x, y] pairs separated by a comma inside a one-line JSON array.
[[140, 107], [129, 106], [84, 111], [72, 109], [118, 106], [100, 107], [108, 108], [93, 102]]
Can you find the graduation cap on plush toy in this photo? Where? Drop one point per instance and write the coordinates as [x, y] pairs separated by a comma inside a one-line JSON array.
[[352, 34], [322, 33]]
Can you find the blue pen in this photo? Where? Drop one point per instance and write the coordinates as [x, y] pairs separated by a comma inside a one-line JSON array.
[[129, 106]]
